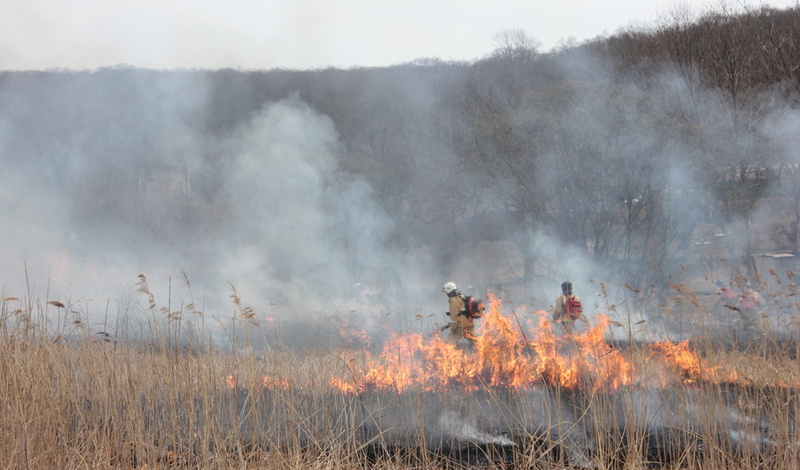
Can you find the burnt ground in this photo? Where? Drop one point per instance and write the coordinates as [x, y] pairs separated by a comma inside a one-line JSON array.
[[660, 448]]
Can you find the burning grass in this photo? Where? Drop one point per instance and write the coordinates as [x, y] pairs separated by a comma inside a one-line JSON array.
[[503, 357], [524, 397]]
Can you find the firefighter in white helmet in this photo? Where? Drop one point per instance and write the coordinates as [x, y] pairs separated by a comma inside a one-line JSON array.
[[461, 325]]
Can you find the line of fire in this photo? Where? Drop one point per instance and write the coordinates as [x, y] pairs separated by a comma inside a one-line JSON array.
[[525, 389]]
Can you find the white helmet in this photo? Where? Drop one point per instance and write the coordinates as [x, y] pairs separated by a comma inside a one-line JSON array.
[[449, 287]]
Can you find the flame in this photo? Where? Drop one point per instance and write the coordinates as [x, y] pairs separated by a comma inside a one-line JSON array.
[[274, 383], [510, 354], [678, 355], [504, 356], [691, 368], [265, 382], [230, 381]]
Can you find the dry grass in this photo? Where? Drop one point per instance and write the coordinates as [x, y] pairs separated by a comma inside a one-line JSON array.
[[72, 398]]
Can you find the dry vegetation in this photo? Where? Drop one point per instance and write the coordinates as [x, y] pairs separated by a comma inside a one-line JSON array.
[[77, 399]]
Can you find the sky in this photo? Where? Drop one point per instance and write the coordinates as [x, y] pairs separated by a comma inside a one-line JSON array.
[[299, 34]]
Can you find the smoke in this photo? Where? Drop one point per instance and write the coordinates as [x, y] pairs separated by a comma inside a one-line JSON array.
[[105, 184], [74, 156], [626, 168], [297, 225], [121, 172], [450, 422]]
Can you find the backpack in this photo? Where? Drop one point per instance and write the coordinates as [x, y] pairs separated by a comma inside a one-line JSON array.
[[572, 308], [727, 294], [747, 301], [473, 307]]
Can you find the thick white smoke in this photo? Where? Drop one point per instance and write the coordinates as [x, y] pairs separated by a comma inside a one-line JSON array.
[[295, 228], [268, 209]]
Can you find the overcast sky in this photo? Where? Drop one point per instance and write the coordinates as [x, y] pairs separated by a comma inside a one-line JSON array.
[[297, 34]]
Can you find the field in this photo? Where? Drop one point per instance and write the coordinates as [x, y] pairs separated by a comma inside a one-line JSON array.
[[524, 397]]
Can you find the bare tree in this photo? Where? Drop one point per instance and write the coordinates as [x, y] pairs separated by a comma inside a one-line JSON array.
[[775, 32], [500, 141], [515, 45]]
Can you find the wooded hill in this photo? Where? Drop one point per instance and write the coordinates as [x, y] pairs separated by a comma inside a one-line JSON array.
[[631, 150]]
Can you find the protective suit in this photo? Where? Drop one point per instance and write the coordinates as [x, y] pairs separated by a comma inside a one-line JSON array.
[[560, 314], [461, 326], [750, 305]]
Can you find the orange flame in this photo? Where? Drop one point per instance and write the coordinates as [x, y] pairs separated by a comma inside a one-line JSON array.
[[508, 354], [678, 355], [266, 382], [503, 356]]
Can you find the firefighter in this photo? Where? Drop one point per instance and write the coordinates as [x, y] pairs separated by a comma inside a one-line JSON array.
[[750, 305], [461, 325], [727, 300], [568, 309], [726, 294]]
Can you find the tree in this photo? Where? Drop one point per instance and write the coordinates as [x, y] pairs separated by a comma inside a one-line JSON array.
[[500, 145]]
